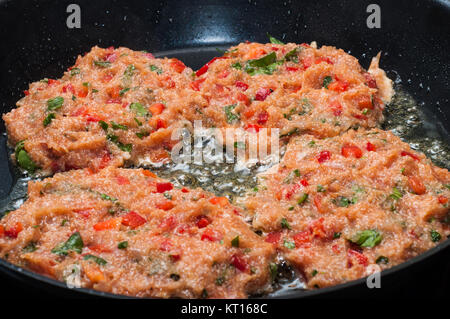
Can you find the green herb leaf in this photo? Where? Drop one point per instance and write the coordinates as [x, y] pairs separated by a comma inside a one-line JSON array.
[[103, 125], [240, 145], [326, 81], [74, 71], [123, 245], [237, 66], [396, 194], [117, 126], [302, 199], [123, 91], [291, 132], [285, 224], [435, 236], [289, 244], [231, 117], [292, 56], [48, 119], [25, 161], [342, 201], [129, 71], [139, 109], [125, 147], [98, 260], [235, 242], [30, 247], [264, 61], [382, 260], [336, 235], [107, 197], [142, 134], [74, 243], [220, 280], [314, 272], [273, 268], [367, 238], [102, 64], [139, 123], [156, 69], [55, 103], [265, 65], [274, 40]]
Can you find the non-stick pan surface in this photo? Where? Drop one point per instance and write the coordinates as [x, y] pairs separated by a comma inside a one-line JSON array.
[[37, 43]]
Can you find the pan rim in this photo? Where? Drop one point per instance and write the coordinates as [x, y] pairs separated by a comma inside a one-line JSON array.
[[292, 294]]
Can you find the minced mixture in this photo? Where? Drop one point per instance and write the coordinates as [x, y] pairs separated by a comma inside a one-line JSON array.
[[345, 195], [128, 232], [113, 107], [296, 88], [333, 207]]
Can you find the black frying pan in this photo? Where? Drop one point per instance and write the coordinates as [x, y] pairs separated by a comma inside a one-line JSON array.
[[414, 35]]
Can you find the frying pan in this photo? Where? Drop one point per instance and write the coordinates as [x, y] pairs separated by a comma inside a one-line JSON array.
[[36, 43]]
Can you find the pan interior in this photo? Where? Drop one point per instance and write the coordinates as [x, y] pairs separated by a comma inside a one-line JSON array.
[[404, 116]]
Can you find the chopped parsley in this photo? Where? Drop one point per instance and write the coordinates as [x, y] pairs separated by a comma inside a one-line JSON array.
[[103, 125], [139, 123], [235, 242], [237, 66], [139, 109], [302, 199], [231, 117], [127, 75], [337, 235], [342, 201], [74, 71], [48, 119], [435, 236], [265, 65], [123, 245], [285, 224], [30, 247], [74, 243], [142, 134], [382, 260], [292, 56], [289, 244], [274, 40], [367, 238], [123, 147], [291, 132], [273, 268], [23, 159], [396, 194], [55, 103], [220, 280], [117, 126], [156, 69], [98, 260], [123, 91], [102, 64], [326, 81], [107, 197]]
